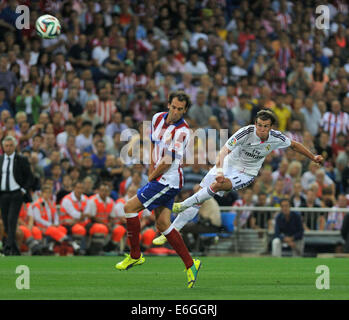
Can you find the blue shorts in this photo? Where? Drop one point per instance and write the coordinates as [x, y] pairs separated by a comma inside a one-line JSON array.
[[155, 194]]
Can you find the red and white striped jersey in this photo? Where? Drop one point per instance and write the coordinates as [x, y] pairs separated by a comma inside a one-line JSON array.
[[284, 19], [126, 83], [59, 107], [245, 214], [335, 124], [336, 218], [169, 139], [294, 136], [105, 110]]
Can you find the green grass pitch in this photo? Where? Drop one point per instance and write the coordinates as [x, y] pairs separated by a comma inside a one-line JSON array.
[[162, 278]]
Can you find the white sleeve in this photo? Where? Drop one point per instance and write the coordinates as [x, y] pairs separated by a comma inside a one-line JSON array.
[[38, 219], [56, 219], [68, 206], [90, 208], [30, 211]]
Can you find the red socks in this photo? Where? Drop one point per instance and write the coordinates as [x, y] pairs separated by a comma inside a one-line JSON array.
[[133, 231], [177, 243]]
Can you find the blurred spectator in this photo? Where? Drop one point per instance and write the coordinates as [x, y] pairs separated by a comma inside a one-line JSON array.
[[200, 111], [297, 199], [8, 79], [223, 114], [116, 126], [242, 112], [282, 173], [322, 146], [298, 79], [80, 54], [88, 93], [312, 116], [84, 139], [244, 217], [335, 219], [105, 106], [282, 113], [288, 230], [193, 174], [69, 130], [141, 106], [99, 157], [335, 121], [295, 130], [59, 105], [297, 113], [90, 113], [261, 219], [195, 66], [100, 128], [4, 105], [75, 107], [30, 103]]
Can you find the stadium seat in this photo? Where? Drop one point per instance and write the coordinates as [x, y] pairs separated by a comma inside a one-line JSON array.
[[228, 220], [228, 225]]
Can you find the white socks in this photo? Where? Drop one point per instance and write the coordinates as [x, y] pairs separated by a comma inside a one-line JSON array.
[[185, 216], [198, 197]]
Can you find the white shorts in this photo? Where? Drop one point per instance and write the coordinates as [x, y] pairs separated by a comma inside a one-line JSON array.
[[238, 179]]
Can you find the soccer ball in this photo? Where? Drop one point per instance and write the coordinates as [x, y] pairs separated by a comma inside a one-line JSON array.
[[48, 27]]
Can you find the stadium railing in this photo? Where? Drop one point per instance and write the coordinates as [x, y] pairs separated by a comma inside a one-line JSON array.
[[244, 240]]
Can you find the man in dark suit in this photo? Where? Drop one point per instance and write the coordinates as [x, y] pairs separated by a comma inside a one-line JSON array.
[[16, 180]]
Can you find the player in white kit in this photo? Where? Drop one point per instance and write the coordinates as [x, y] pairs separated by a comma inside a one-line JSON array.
[[237, 165]]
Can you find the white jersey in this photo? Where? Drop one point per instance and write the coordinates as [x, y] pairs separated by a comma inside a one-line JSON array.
[[248, 152], [169, 139]]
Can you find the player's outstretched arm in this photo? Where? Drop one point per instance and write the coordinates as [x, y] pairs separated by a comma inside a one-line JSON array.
[[300, 148]]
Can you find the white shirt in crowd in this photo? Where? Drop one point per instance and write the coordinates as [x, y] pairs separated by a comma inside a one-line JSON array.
[[198, 69], [82, 142]]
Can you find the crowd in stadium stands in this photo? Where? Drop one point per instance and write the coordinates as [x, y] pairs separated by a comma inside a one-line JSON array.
[[73, 103]]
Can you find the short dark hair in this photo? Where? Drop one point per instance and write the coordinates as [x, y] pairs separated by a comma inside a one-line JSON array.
[[285, 200], [181, 96], [86, 123], [266, 114]]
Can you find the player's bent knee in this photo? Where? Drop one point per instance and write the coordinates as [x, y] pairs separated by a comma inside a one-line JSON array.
[[162, 225]]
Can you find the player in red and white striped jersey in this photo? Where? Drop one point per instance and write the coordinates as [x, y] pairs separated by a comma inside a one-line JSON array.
[[169, 136]]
